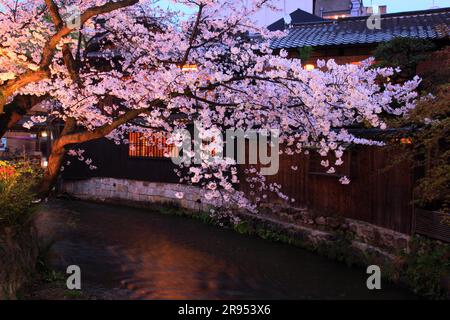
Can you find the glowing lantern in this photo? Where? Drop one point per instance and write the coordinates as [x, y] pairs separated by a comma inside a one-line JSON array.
[[44, 163]]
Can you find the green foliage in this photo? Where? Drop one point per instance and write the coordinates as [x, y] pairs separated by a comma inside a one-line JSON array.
[[429, 152], [429, 122], [205, 218], [405, 53], [177, 211], [431, 147], [42, 264], [340, 250], [427, 263], [274, 235], [305, 53], [74, 295], [266, 232], [243, 227], [17, 181]]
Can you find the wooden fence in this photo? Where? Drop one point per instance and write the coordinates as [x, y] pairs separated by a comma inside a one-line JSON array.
[[380, 191], [431, 224]]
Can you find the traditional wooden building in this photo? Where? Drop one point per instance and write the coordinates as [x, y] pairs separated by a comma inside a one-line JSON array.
[[352, 39], [32, 143]]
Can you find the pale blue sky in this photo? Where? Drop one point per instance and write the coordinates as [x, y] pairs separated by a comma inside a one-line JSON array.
[[393, 5], [408, 5]]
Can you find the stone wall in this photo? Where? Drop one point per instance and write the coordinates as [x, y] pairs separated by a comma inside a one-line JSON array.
[[386, 240], [18, 256], [136, 192]]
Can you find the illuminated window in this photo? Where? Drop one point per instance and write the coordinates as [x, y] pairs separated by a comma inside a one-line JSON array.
[[336, 16], [189, 67], [406, 141], [155, 146], [309, 67]]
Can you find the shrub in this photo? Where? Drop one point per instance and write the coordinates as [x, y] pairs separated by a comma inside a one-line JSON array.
[[431, 148], [405, 53], [17, 181], [427, 264], [427, 125]]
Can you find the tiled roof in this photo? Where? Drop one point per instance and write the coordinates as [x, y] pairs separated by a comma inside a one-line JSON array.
[[429, 24]]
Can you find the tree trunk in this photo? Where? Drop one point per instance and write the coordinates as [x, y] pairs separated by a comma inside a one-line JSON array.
[[55, 160], [52, 171], [70, 137], [3, 101]]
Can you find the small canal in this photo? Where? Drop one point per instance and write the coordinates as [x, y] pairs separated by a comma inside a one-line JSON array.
[[148, 255]]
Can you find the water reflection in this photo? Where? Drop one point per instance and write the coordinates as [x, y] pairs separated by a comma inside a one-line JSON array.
[[154, 256]]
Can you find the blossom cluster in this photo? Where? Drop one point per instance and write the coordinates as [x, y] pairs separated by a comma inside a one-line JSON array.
[[133, 59]]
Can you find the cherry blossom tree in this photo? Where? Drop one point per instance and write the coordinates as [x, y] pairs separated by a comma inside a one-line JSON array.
[[29, 43], [132, 66]]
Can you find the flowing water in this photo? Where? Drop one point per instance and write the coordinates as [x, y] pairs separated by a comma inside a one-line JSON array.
[[153, 256]]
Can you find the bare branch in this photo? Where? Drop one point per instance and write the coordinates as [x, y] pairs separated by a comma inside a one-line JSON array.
[[193, 34]]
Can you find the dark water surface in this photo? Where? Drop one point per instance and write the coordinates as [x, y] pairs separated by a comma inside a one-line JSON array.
[[154, 256]]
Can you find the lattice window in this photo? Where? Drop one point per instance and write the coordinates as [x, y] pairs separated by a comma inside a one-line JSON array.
[[155, 146]]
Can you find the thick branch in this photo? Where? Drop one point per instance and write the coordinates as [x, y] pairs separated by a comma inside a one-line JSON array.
[[106, 129], [54, 13], [67, 137], [69, 61], [10, 87], [49, 49], [55, 161]]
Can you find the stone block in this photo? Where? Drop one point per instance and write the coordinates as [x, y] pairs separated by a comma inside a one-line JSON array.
[[122, 188], [321, 221]]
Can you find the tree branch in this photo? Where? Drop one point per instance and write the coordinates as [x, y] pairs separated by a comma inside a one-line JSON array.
[[193, 35], [11, 86], [69, 61], [105, 129]]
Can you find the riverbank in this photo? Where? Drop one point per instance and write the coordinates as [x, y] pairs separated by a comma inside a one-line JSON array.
[[45, 289], [415, 263], [420, 263], [156, 254], [19, 251]]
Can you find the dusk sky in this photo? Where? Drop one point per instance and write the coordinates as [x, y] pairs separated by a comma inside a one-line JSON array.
[[393, 5], [408, 5]]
